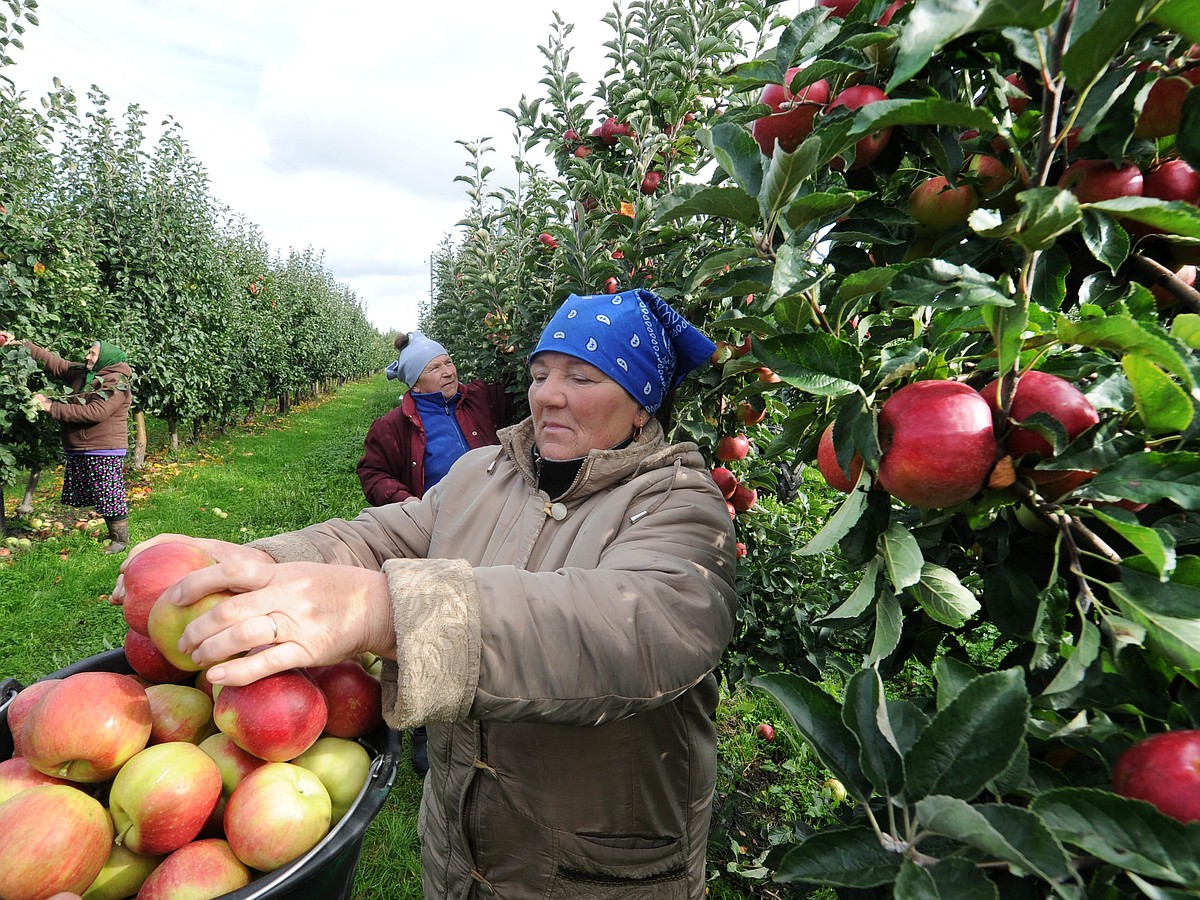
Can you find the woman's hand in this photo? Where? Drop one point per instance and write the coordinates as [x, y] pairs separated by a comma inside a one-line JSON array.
[[221, 551], [7, 337], [292, 614], [43, 401]]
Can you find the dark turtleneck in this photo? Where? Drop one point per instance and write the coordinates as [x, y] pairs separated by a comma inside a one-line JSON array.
[[555, 476]]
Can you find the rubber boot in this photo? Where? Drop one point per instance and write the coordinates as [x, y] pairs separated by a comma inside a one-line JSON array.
[[118, 532], [420, 751]]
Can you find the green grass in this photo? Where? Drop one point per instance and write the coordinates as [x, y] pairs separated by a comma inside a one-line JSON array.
[[280, 474]]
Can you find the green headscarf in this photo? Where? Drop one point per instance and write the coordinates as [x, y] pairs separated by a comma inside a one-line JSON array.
[[110, 355]]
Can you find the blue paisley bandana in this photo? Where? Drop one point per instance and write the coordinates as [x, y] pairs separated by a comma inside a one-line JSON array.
[[633, 337]]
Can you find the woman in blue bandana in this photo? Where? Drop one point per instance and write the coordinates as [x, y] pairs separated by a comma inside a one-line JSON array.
[[95, 429], [553, 610]]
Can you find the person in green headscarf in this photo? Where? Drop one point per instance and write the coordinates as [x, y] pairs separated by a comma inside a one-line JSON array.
[[95, 428]]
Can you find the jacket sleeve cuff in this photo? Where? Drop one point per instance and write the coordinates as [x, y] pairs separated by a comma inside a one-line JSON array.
[[290, 547], [436, 611]]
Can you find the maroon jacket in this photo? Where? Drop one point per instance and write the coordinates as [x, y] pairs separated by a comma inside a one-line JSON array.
[[392, 468]]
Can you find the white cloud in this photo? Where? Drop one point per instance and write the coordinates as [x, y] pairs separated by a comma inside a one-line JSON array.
[[327, 127]]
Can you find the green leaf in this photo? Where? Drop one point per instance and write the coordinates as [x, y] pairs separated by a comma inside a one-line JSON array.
[[999, 831], [1187, 142], [792, 275], [952, 676], [1158, 547], [1107, 241], [818, 718], [971, 740], [934, 23], [719, 202], [1173, 216], [838, 525], [874, 117], [959, 879], [1126, 335], [840, 857], [860, 598], [1186, 329], [820, 206], [1007, 326], [736, 153], [941, 285], [1044, 214], [1075, 668], [1162, 404], [815, 362], [869, 281], [1093, 48], [1149, 478], [1169, 612], [864, 712], [1180, 16], [1129, 834], [903, 556], [889, 624], [943, 596], [785, 174]]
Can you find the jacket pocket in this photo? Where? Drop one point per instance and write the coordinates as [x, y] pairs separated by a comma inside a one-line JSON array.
[[619, 867]]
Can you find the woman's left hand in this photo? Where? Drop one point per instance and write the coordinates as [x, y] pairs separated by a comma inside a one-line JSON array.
[[293, 615], [43, 401]]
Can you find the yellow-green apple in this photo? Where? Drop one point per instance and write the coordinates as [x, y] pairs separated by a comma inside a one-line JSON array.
[[275, 718], [936, 206], [163, 796], [19, 708], [1163, 109], [732, 447], [938, 443], [725, 480], [179, 713], [122, 876], [989, 173], [1174, 179], [56, 838], [353, 699], [869, 147], [87, 726], [279, 812], [1095, 180], [343, 766], [743, 498], [232, 761], [204, 868], [167, 621], [201, 683], [791, 117], [1041, 392], [148, 661], [151, 572], [16, 775], [827, 464], [1164, 769]]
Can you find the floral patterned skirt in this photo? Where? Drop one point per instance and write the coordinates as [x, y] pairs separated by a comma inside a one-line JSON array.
[[97, 481]]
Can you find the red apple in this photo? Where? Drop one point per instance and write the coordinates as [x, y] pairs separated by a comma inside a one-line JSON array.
[[354, 699], [839, 9], [232, 761], [19, 708], [151, 572], [204, 868], [1041, 392], [1018, 104], [730, 509], [123, 874], [937, 206], [991, 175], [179, 713], [16, 775], [611, 130], [740, 549], [612, 286], [765, 731], [1164, 769], [1094, 180], [726, 481], [651, 182], [279, 812], [748, 413], [890, 12], [1172, 180], [938, 443], [869, 147], [827, 464], [548, 239], [743, 498], [167, 621], [1163, 108], [732, 447], [766, 376], [87, 726], [56, 838], [275, 718], [163, 796], [343, 766], [148, 661], [791, 118]]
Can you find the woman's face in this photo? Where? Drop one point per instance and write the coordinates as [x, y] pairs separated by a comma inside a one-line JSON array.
[[93, 354], [577, 408], [439, 376]]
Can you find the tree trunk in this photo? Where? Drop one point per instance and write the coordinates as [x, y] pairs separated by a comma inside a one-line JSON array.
[[284, 403], [139, 440], [173, 431], [3, 520], [196, 430], [25, 507]]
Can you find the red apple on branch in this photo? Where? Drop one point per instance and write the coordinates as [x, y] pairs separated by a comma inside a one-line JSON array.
[[1172, 180], [732, 447], [869, 147], [651, 182], [936, 206], [1164, 769], [938, 443], [791, 118], [151, 572], [836, 477], [163, 796], [725, 480], [1095, 180], [279, 812], [1163, 109], [743, 498], [1041, 392], [275, 718], [56, 838], [204, 868]]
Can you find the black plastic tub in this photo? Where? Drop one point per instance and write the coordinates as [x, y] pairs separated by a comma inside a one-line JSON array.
[[325, 872]]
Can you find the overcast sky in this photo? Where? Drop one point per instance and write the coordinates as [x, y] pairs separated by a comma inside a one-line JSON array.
[[329, 126]]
